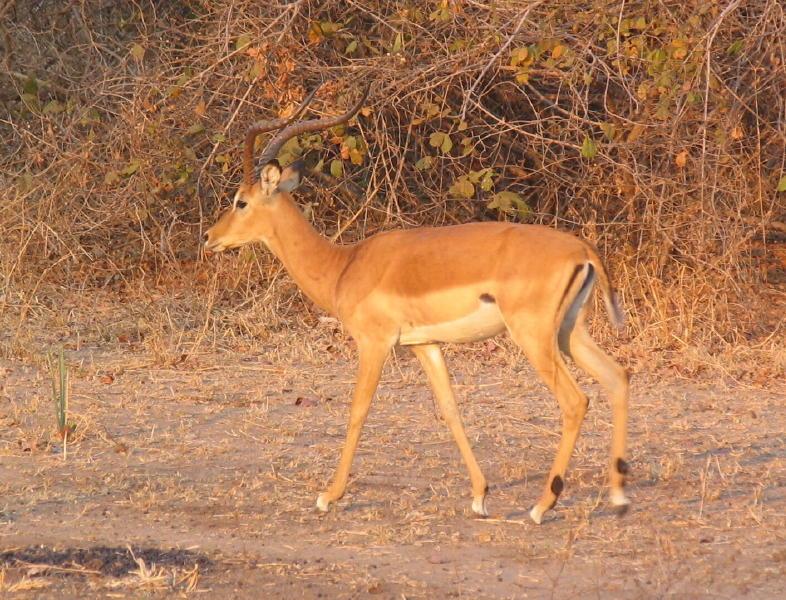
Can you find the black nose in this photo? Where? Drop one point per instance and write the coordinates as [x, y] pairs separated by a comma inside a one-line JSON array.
[[205, 237]]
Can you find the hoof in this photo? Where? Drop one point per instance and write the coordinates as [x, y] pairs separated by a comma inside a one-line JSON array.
[[620, 502], [323, 504], [479, 506], [621, 510], [536, 514]]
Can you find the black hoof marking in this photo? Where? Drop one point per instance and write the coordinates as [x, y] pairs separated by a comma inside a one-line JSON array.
[[487, 298], [622, 467], [622, 510], [557, 485]]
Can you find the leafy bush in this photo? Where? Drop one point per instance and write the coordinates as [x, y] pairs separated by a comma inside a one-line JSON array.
[[654, 129]]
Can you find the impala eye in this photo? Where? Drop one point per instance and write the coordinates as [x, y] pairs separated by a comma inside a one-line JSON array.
[[241, 204]]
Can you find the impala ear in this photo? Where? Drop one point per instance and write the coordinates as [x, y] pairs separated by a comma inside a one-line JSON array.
[[291, 177], [269, 177]]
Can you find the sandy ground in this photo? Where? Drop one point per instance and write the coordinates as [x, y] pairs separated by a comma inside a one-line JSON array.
[[201, 479]]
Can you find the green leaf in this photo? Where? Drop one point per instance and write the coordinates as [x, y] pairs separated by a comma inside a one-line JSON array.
[[313, 142], [782, 184], [508, 202], [663, 112], [292, 146], [184, 78], [90, 116], [336, 168], [432, 110], [53, 107], [30, 86], [351, 47], [589, 149], [640, 24], [609, 130], [435, 139], [132, 168], [735, 47], [243, 41], [25, 182], [487, 182], [398, 43], [458, 44], [518, 56], [289, 151], [256, 70], [441, 14], [477, 176], [447, 144], [424, 163], [657, 58], [195, 129], [466, 146], [462, 188], [329, 27], [138, 52]]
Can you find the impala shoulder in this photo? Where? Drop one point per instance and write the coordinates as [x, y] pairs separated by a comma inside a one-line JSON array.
[[360, 274]]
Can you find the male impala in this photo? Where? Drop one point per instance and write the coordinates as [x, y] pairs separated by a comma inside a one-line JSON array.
[[426, 286]]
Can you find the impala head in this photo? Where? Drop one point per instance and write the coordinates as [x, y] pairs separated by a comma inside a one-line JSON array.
[[249, 219]]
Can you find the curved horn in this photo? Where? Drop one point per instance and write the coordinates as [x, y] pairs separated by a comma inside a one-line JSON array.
[[290, 131], [262, 127]]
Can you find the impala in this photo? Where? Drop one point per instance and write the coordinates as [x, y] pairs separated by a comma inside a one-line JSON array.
[[426, 286]]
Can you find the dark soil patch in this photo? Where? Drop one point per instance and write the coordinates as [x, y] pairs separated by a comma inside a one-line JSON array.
[[108, 561]]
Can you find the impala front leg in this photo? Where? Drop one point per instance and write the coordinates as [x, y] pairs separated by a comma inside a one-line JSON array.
[[372, 360]]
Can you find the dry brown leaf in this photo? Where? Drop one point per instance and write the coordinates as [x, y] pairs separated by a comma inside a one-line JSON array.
[[681, 159]]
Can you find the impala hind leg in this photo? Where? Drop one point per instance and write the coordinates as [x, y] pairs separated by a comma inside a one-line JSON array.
[[369, 372], [614, 379], [541, 350], [433, 362]]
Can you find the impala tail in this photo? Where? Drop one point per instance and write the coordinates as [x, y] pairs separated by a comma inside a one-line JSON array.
[[580, 284], [610, 299]]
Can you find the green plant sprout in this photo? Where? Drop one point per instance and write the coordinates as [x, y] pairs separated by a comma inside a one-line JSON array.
[[59, 375]]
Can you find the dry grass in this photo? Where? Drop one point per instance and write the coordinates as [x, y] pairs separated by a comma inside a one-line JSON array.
[[123, 125]]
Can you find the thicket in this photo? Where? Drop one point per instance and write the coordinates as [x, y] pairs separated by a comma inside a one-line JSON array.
[[655, 129]]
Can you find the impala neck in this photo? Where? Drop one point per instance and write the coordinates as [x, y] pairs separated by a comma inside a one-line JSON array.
[[312, 261]]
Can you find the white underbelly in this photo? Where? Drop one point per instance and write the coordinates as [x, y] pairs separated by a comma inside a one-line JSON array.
[[483, 323]]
